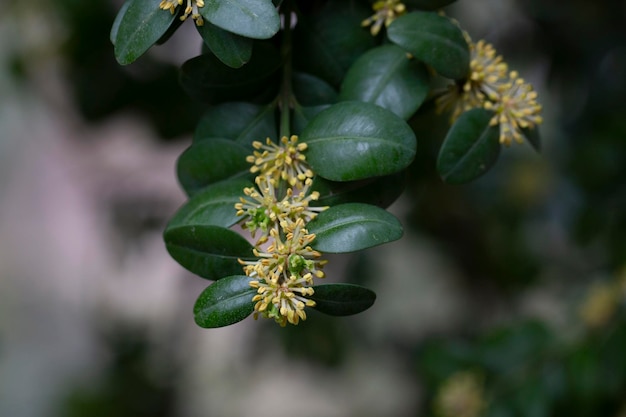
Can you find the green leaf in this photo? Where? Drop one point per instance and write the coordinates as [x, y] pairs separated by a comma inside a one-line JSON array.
[[207, 79], [303, 115], [118, 19], [428, 4], [224, 302], [208, 251], [342, 299], [210, 161], [213, 205], [470, 148], [312, 91], [387, 77], [233, 50], [432, 39], [380, 191], [242, 122], [353, 226], [356, 140], [141, 27], [331, 40], [257, 19]]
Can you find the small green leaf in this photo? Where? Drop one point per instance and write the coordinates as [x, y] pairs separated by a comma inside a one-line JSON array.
[[206, 78], [208, 251], [142, 26], [353, 226], [242, 122], [312, 91], [224, 302], [470, 148], [233, 50], [213, 205], [257, 19], [356, 140], [210, 161], [118, 19], [330, 40], [380, 191], [342, 299], [432, 39], [387, 77]]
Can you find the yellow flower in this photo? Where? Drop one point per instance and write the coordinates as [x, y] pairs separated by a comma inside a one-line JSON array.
[[386, 11], [516, 109], [600, 304], [461, 395], [284, 273], [191, 9], [285, 161]]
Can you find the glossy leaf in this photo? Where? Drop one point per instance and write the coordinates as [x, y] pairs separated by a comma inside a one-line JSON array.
[[342, 299], [387, 77], [331, 40], [208, 251], [356, 140], [141, 27], [233, 50], [470, 148], [213, 205], [428, 4], [380, 191], [242, 122], [312, 91], [352, 227], [257, 19], [432, 39], [118, 19], [207, 79], [210, 161], [224, 302]]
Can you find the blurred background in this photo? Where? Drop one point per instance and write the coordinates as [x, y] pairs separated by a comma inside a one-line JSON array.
[[506, 297]]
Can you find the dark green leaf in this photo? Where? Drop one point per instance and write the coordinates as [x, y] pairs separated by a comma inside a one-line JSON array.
[[208, 251], [312, 91], [353, 226], [213, 205], [233, 50], [141, 27], [243, 122], [470, 148], [118, 19], [356, 140], [342, 299], [303, 115], [432, 39], [331, 40], [224, 302], [210, 161], [428, 4], [387, 77], [380, 191], [257, 19], [206, 78]]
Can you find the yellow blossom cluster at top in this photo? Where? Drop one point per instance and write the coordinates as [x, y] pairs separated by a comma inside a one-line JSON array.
[[386, 11], [492, 86], [278, 208], [190, 9]]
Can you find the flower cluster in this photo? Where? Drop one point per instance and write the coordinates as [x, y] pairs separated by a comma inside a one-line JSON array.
[[461, 395], [278, 208], [190, 9], [492, 86], [386, 12]]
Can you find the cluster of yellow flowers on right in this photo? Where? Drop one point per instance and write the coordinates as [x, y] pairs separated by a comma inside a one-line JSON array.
[[278, 208], [492, 86]]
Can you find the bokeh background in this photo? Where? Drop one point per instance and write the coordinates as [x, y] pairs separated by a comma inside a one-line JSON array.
[[506, 297]]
